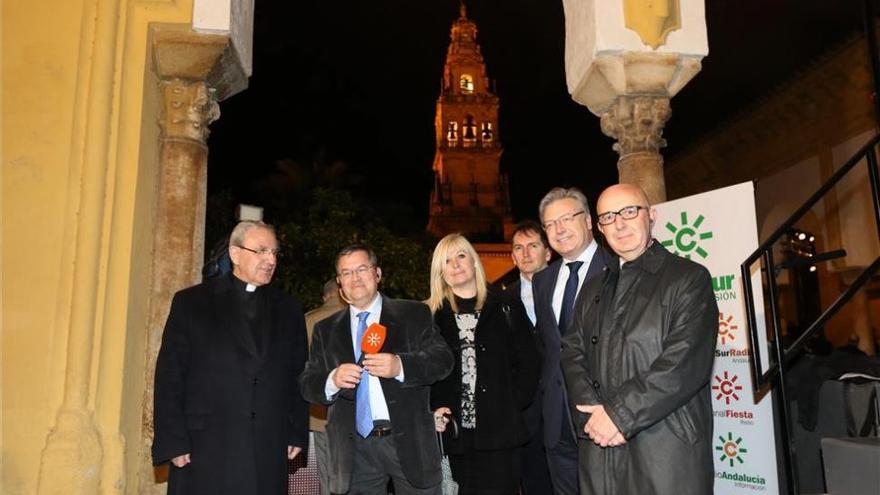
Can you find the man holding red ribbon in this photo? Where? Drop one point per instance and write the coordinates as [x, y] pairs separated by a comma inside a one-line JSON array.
[[373, 364]]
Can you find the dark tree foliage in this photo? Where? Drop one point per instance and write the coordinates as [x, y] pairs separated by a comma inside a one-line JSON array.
[[334, 220], [219, 221]]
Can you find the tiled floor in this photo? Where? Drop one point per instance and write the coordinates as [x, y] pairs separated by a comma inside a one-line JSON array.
[[303, 478]]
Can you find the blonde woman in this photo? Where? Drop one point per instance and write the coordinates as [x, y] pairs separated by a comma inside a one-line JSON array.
[[495, 374]]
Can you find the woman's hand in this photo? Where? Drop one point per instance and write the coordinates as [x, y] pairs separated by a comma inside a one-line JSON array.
[[440, 419]]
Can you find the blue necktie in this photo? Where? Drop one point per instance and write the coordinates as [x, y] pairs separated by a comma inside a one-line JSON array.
[[571, 287], [363, 418]]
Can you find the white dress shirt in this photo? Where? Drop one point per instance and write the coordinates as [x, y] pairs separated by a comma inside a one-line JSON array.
[[528, 299], [562, 278], [378, 406]]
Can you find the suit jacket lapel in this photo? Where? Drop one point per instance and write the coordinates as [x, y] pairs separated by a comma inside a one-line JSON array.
[[598, 264], [596, 273], [342, 337], [545, 298], [389, 320]]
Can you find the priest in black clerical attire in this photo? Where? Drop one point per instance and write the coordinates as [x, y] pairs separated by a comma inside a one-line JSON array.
[[228, 413]]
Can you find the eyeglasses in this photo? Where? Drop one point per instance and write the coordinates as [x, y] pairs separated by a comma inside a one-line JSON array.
[[359, 271], [626, 213], [565, 220], [263, 251]]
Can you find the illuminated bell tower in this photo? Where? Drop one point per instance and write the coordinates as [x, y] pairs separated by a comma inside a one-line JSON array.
[[470, 194]]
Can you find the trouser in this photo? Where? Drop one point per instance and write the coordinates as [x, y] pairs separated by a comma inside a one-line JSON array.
[[562, 460], [535, 474], [322, 459], [375, 461]]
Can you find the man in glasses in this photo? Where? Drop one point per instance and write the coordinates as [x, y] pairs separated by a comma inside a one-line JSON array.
[[638, 362], [379, 425], [565, 217], [228, 413]]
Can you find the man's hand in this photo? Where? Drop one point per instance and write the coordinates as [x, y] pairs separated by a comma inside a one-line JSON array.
[[440, 419], [181, 460], [347, 375], [292, 451], [600, 428], [383, 365]]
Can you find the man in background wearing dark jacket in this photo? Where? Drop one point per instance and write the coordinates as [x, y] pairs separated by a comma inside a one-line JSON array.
[[530, 251], [638, 362], [318, 412]]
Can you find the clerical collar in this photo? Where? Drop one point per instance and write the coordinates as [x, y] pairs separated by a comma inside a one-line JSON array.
[[241, 285]]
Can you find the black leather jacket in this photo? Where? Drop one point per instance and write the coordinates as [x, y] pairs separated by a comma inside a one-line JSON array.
[[644, 349]]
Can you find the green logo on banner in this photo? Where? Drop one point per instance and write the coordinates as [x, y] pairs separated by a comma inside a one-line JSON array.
[[685, 237], [730, 449]]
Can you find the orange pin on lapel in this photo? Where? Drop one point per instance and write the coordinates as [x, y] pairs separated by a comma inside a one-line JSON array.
[[373, 339]]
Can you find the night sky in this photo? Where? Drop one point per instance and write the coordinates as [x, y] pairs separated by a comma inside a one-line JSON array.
[[344, 93]]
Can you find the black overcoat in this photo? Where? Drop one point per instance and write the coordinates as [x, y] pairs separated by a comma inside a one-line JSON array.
[[507, 373], [412, 335], [217, 397], [532, 414], [644, 349]]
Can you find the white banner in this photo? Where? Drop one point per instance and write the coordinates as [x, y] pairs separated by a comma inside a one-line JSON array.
[[718, 230]]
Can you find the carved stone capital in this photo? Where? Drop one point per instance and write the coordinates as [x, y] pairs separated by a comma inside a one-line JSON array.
[[188, 109], [636, 122], [178, 52]]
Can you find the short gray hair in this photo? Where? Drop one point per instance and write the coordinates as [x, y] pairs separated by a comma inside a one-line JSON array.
[[236, 238], [558, 193]]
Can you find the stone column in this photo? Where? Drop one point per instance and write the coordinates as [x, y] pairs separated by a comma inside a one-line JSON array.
[[71, 459], [625, 65], [636, 122], [194, 70]]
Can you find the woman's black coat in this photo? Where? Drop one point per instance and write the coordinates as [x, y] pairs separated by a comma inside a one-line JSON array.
[[507, 373]]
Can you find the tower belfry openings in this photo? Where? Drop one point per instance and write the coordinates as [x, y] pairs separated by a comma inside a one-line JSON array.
[[470, 194]]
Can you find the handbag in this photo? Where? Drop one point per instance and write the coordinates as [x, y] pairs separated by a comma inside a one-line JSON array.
[[448, 485]]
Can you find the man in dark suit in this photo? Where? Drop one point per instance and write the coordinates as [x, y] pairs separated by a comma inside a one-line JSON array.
[[379, 425], [228, 413], [531, 253], [565, 217]]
